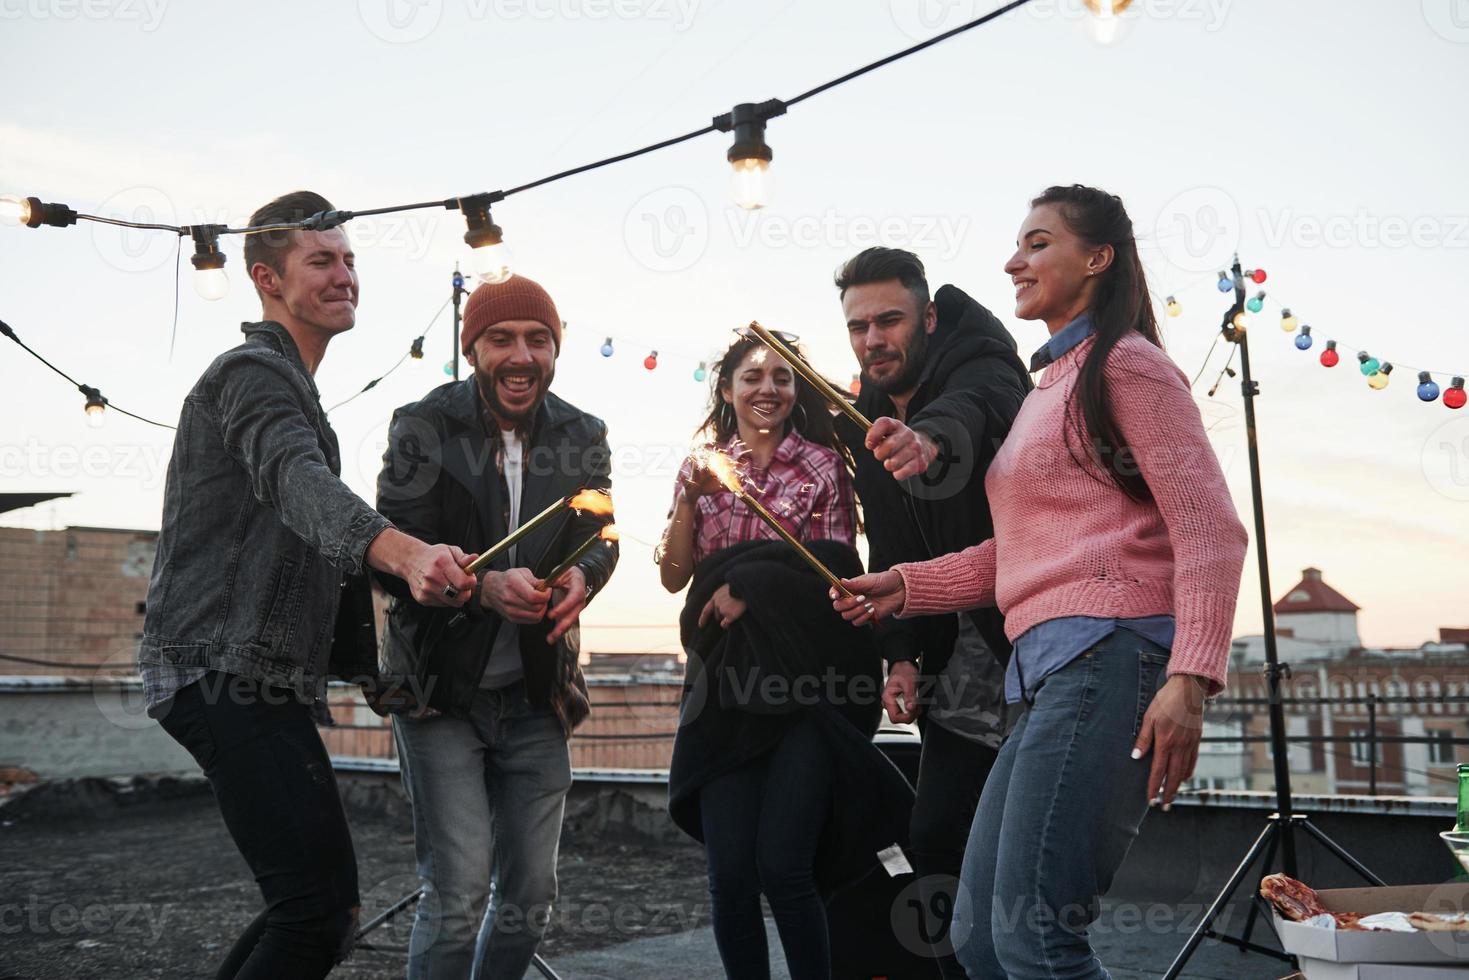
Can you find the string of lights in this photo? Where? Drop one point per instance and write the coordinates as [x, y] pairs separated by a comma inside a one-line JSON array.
[[1377, 371], [749, 157], [96, 402]]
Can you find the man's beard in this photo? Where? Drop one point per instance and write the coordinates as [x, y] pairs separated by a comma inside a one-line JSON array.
[[913, 359], [490, 392]]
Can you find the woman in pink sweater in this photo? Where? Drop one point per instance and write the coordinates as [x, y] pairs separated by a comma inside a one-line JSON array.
[[1116, 560]]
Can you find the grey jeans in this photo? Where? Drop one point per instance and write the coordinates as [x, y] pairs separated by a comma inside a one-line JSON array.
[[488, 793]]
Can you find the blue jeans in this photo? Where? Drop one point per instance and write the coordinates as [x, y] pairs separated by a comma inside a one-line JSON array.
[[1057, 816], [488, 793]]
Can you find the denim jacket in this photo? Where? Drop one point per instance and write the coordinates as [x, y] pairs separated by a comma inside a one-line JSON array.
[[260, 540]]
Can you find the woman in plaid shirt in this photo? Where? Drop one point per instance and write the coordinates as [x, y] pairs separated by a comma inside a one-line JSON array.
[[748, 779]]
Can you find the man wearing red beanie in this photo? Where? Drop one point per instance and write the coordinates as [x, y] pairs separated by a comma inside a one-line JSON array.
[[487, 774]]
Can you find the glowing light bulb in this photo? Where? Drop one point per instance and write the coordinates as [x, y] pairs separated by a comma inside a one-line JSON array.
[[212, 284], [1329, 357], [1287, 321], [856, 386], [491, 262], [1368, 363], [1241, 321], [14, 210], [1427, 389], [96, 407], [651, 361], [1173, 307], [1303, 339], [750, 183], [607, 347], [1379, 380], [1105, 21]]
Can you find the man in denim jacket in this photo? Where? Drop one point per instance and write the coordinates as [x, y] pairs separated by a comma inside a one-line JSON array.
[[262, 546], [488, 771]]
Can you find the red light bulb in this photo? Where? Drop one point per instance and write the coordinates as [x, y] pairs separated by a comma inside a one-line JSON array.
[[1454, 396], [1329, 357], [1258, 275], [651, 361]]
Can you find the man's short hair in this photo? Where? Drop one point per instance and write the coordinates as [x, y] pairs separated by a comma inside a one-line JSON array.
[[879, 264], [271, 247]]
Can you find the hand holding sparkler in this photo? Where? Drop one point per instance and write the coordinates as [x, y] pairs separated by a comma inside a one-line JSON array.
[[871, 597]]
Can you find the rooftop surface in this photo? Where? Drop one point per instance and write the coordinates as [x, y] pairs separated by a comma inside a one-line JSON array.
[[156, 889]]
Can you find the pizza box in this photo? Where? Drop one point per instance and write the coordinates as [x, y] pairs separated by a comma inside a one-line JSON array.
[[1342, 947]]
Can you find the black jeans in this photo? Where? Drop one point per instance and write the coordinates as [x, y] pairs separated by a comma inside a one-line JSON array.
[[762, 823], [951, 773], [275, 788]]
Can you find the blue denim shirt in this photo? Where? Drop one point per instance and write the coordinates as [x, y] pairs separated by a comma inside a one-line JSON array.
[[258, 529], [1047, 647]]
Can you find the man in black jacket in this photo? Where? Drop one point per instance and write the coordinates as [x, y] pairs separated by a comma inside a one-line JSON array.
[[943, 382], [488, 768]]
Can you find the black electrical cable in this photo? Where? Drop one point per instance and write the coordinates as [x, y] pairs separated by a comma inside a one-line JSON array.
[[6, 329]]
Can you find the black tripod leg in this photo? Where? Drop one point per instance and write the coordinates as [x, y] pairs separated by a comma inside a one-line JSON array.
[[1340, 852], [1255, 905], [1266, 839]]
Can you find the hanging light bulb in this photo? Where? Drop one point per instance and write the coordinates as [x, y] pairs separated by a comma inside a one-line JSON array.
[[1303, 339], [856, 386], [96, 406], [1369, 364], [1241, 321], [33, 212], [449, 368], [1225, 283], [1256, 303], [1454, 397], [1171, 305], [1329, 357], [750, 155], [1379, 380], [607, 347], [416, 351], [210, 280], [490, 256], [14, 210], [1427, 389], [1287, 320], [1256, 276], [651, 361], [701, 372]]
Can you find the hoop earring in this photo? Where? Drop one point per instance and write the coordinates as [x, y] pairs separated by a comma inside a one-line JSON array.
[[727, 418], [804, 423]]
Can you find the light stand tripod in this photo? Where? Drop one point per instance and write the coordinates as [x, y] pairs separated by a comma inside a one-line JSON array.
[[1281, 827]]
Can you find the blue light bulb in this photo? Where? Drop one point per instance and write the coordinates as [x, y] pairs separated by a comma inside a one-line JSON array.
[[1303, 339], [607, 347], [1427, 389], [1225, 283]]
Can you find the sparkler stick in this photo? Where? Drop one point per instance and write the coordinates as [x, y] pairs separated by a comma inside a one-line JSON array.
[[607, 534], [592, 501]]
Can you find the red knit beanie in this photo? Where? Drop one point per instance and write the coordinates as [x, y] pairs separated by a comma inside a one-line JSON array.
[[517, 298]]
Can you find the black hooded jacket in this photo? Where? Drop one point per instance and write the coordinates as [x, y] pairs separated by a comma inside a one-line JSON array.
[[968, 395]]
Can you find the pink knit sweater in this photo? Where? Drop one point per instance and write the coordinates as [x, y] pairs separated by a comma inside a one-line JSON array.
[[1069, 544]]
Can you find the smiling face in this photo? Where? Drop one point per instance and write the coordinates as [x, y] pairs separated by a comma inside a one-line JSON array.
[[1054, 271], [888, 332], [317, 282], [514, 362], [762, 390]]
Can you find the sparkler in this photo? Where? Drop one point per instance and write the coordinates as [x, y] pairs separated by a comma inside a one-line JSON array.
[[607, 535], [812, 376], [598, 502]]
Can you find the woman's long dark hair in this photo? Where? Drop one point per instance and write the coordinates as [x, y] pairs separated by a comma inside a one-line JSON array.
[[1122, 305], [810, 416]]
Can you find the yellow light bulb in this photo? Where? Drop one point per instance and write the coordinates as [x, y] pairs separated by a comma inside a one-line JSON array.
[[1378, 381], [750, 183], [96, 415], [1174, 309], [1288, 322], [1241, 321]]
